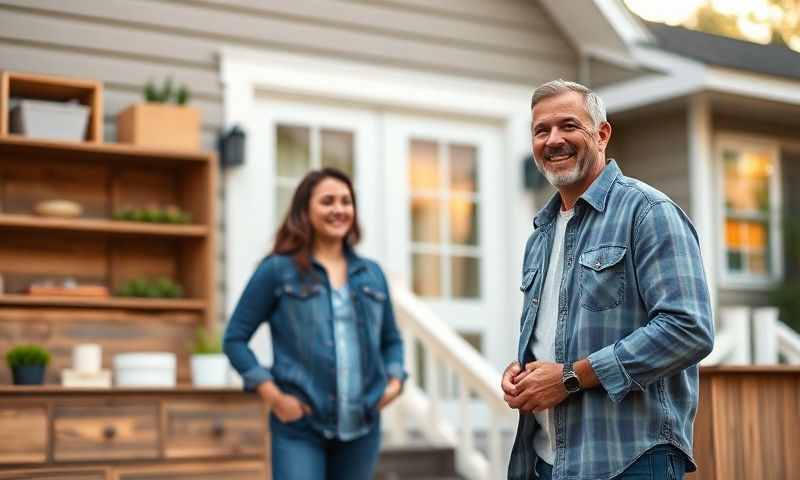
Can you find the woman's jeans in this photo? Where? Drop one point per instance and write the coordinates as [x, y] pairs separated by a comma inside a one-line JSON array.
[[301, 453], [662, 462]]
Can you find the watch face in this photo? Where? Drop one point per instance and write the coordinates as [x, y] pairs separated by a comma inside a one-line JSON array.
[[572, 384]]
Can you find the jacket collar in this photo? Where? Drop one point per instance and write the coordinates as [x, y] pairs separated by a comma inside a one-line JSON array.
[[596, 195]]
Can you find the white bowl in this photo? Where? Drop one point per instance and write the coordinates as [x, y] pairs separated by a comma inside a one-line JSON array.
[[150, 369]]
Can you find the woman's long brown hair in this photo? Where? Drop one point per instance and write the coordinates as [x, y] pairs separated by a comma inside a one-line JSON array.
[[296, 235]]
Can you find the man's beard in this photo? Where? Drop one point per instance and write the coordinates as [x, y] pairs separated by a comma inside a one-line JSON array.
[[575, 174]]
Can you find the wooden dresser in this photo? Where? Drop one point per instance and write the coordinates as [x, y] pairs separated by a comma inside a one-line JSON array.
[[125, 434]]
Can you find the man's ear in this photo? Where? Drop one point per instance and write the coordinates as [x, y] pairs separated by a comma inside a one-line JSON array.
[[604, 135]]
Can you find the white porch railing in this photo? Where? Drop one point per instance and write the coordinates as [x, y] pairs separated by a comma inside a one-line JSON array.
[[476, 382], [753, 336]]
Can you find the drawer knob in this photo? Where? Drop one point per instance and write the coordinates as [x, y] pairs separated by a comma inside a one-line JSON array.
[[218, 429], [109, 432]]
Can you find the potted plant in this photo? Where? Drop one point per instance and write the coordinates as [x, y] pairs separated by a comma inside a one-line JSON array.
[[28, 363], [209, 364], [164, 120]]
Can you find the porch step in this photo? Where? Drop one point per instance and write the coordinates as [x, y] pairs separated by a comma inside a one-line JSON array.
[[417, 463]]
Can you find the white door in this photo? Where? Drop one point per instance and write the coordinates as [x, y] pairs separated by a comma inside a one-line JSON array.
[[444, 214]]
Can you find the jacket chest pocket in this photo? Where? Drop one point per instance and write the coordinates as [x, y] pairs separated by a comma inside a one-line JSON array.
[[374, 303], [531, 302], [302, 303], [602, 277]]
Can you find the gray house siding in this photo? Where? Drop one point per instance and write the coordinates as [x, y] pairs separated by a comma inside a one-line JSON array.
[[654, 149], [124, 43]]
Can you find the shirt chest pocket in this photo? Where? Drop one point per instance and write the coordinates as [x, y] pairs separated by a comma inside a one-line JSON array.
[[375, 302], [602, 277], [528, 288]]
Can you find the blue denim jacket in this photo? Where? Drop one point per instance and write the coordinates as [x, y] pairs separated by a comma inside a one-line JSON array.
[[300, 314], [634, 301]]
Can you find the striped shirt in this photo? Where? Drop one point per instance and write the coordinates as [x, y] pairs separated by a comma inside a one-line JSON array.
[[634, 301]]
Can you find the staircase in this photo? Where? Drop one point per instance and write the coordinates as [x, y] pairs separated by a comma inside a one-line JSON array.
[[454, 426], [417, 463]]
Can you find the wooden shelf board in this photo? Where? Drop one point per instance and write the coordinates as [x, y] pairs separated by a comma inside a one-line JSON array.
[[103, 226], [109, 302], [20, 144]]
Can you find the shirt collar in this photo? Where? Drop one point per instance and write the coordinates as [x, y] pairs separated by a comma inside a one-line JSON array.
[[595, 195]]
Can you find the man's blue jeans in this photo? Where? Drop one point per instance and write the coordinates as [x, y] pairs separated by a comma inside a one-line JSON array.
[[662, 462], [301, 453]]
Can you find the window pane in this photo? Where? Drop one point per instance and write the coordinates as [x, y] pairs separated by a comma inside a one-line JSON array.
[[337, 150], [747, 181], [463, 221], [463, 168], [735, 263], [424, 165], [294, 152], [283, 198], [425, 219], [465, 277], [427, 276]]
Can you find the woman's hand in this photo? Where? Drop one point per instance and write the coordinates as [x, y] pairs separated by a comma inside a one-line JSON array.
[[392, 391], [287, 408]]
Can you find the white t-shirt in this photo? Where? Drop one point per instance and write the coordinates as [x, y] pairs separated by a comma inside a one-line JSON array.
[[543, 340]]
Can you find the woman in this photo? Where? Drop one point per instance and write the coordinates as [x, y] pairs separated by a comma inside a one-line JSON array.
[[338, 353]]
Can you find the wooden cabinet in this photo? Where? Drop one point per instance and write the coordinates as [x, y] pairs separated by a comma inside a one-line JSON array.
[[132, 434]]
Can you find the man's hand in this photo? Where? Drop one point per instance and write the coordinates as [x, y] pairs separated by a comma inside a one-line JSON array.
[[507, 383], [538, 387]]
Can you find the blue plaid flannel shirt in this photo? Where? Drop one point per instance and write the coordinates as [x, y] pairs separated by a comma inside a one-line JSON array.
[[634, 301]]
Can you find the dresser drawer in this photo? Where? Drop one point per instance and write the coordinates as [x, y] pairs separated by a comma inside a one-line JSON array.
[[109, 430], [23, 434], [195, 471], [56, 474], [214, 428]]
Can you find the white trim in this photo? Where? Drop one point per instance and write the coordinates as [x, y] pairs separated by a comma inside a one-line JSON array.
[[681, 76], [701, 168], [772, 147], [248, 73]]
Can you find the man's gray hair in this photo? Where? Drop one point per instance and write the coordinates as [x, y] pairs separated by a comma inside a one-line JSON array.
[[594, 104]]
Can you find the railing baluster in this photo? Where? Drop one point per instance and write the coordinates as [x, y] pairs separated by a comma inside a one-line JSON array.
[[465, 419], [432, 384], [496, 462]]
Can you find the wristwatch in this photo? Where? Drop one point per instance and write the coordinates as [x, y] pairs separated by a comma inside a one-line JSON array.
[[571, 381]]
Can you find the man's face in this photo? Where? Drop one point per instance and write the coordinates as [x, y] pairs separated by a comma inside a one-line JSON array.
[[566, 145]]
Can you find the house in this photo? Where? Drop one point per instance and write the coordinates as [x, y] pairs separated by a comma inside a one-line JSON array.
[[426, 103], [713, 124]]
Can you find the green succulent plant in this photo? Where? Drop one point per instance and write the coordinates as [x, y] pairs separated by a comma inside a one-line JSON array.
[[206, 342], [167, 93], [27, 355], [142, 287]]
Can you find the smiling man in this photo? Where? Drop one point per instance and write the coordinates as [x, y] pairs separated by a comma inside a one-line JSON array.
[[616, 313]]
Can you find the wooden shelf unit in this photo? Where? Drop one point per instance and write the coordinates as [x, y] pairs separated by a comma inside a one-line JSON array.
[[94, 249]]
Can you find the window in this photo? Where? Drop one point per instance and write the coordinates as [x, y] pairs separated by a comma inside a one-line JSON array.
[[445, 259], [303, 148], [751, 213]]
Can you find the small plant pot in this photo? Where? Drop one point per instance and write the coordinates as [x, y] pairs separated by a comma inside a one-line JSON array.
[[209, 370], [28, 375]]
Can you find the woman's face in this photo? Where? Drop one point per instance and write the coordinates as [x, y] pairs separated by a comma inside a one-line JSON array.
[[331, 210]]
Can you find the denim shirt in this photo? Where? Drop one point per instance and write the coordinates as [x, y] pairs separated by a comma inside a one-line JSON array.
[[348, 366], [634, 301], [299, 310]]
